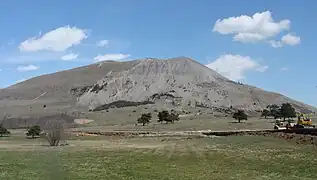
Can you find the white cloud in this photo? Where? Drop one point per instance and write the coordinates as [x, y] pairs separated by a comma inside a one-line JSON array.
[[58, 39], [248, 37], [114, 57], [70, 56], [103, 43], [290, 39], [234, 67], [259, 27], [27, 68], [287, 39]]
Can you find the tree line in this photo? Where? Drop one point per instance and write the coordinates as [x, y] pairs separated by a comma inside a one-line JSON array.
[[163, 116], [286, 110], [32, 132], [53, 136]]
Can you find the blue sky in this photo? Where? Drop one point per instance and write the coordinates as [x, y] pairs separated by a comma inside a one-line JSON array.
[[269, 44]]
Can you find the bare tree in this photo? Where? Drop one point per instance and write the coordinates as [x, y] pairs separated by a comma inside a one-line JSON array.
[[54, 131]]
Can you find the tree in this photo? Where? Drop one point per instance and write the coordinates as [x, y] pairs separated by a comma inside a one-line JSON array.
[[34, 131], [240, 115], [167, 117], [4, 131], [275, 110], [265, 113], [162, 116], [173, 117], [287, 111], [145, 118]]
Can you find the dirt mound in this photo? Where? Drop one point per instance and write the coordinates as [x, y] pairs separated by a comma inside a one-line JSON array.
[[83, 121], [295, 137], [298, 138]]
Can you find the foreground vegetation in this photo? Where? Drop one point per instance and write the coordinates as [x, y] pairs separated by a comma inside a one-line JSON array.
[[206, 158]]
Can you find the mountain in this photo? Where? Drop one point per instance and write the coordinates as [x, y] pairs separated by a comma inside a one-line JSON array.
[[178, 81], [182, 82]]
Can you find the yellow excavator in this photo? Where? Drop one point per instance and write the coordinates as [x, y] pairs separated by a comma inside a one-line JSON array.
[[303, 121]]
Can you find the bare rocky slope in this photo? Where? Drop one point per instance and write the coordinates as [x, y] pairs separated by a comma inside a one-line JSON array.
[[182, 82], [57, 85], [178, 81]]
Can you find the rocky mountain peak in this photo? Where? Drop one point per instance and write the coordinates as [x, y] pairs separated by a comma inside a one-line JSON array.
[[180, 81]]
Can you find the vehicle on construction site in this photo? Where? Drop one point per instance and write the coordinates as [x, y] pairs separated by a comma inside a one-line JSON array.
[[303, 121]]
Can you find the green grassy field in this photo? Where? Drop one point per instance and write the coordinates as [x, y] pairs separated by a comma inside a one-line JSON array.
[[157, 158]]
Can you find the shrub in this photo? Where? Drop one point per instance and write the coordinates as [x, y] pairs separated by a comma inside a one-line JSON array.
[[34, 131], [4, 131], [54, 132]]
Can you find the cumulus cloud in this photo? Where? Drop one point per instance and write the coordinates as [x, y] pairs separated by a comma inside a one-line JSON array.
[[287, 39], [256, 28], [102, 43], [70, 56], [290, 39], [234, 67], [58, 39], [249, 37], [115, 57], [30, 67]]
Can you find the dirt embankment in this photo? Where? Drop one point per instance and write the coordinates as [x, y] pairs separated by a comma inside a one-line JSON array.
[[298, 138]]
